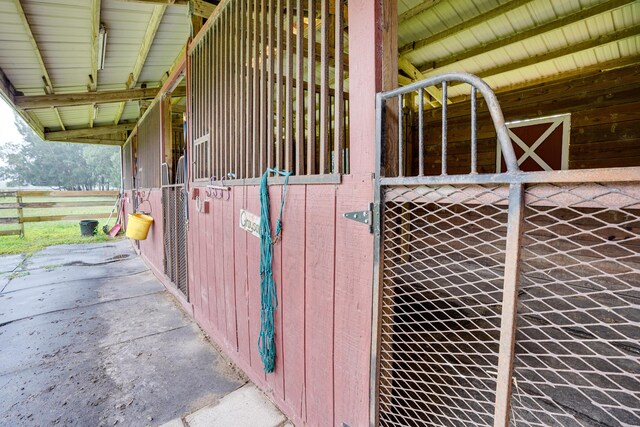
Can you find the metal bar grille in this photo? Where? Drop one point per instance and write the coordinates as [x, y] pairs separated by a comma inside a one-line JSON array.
[[245, 64], [505, 299], [444, 253], [577, 346], [175, 236], [149, 135]]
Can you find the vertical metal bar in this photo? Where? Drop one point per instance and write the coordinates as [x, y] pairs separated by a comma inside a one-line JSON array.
[[377, 260], [400, 138], [288, 162], [324, 86], [421, 133], [300, 149], [279, 69], [209, 101], [270, 84], [474, 124], [509, 305], [263, 87], [242, 81], [236, 87], [256, 85], [444, 128], [338, 134], [219, 97], [311, 91], [247, 92]]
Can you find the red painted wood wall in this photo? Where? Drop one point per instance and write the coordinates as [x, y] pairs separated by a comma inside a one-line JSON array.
[[323, 268]]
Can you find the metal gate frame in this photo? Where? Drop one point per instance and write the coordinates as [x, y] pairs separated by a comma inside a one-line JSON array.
[[517, 182], [175, 236]]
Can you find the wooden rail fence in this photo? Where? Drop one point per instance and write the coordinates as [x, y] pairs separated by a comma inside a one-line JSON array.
[[104, 198]]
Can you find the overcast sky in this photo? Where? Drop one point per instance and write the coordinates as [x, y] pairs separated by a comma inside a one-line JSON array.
[[8, 131]]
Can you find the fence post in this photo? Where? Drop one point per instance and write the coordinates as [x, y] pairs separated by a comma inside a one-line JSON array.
[[19, 202], [509, 306]]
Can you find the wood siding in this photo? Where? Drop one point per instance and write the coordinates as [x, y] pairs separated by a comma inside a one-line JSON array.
[[605, 117], [323, 273]]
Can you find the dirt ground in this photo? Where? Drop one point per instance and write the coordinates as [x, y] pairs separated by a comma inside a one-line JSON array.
[[89, 337]]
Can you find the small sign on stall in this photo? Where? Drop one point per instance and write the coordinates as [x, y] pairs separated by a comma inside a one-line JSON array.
[[250, 222]]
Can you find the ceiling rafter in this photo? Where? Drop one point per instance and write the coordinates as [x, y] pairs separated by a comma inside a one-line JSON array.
[[414, 74], [537, 30], [35, 102], [93, 77], [145, 47], [88, 132], [465, 25], [417, 10], [577, 47], [36, 50]]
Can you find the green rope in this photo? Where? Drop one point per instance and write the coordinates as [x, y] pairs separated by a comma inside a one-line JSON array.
[[268, 296]]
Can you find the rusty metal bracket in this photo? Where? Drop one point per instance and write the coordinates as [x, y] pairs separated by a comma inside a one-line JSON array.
[[364, 217]]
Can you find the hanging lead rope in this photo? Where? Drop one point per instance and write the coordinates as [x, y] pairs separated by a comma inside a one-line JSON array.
[[268, 296]]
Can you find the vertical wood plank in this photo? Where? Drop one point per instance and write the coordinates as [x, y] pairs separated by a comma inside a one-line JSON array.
[[208, 267], [353, 299], [276, 378], [300, 148], [293, 297], [288, 162], [279, 51], [229, 271], [319, 302], [219, 267], [253, 278], [242, 283], [324, 87], [311, 91]]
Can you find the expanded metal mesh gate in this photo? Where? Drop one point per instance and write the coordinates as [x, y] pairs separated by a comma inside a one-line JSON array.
[[175, 236], [506, 299]]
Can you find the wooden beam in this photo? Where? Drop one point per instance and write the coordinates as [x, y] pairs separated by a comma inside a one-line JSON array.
[[558, 53], [145, 47], [496, 11], [95, 31], [557, 78], [83, 98], [535, 31], [417, 10], [159, 2], [416, 75], [7, 91], [202, 8], [86, 132], [36, 50]]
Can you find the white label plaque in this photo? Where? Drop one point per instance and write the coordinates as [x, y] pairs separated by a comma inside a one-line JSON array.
[[250, 222]]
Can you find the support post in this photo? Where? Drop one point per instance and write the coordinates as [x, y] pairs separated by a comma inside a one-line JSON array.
[[509, 306]]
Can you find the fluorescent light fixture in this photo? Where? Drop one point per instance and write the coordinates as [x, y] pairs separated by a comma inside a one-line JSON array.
[[102, 46]]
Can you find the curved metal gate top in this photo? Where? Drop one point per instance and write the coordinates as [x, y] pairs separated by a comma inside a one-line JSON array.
[[503, 299]]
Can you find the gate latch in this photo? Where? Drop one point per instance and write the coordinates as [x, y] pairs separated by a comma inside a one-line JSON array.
[[364, 217]]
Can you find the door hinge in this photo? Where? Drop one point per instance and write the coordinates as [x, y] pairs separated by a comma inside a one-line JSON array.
[[364, 217]]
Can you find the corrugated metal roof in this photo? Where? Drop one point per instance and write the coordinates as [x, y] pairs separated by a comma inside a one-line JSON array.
[[527, 16], [62, 30]]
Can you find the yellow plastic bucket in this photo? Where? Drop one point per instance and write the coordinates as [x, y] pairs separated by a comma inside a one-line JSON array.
[[138, 226]]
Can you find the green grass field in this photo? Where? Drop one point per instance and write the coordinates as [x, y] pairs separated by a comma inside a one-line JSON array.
[[38, 235]]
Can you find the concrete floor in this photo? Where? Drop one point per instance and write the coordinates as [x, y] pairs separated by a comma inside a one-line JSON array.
[[89, 337]]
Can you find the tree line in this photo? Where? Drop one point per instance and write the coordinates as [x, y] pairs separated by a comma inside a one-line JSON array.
[[59, 165]]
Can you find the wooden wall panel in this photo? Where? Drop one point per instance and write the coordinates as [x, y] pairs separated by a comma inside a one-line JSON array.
[[604, 111], [226, 217], [353, 302], [293, 293], [319, 303], [153, 246], [242, 279]]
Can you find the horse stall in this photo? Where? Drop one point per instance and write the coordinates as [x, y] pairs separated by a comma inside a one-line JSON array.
[[494, 278]]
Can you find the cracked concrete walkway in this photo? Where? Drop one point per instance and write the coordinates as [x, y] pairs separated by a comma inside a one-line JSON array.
[[88, 336]]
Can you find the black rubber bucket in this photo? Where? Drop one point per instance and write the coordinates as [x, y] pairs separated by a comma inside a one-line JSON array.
[[88, 227]]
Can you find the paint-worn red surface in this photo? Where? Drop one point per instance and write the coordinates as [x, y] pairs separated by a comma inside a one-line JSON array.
[[323, 272], [323, 268]]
